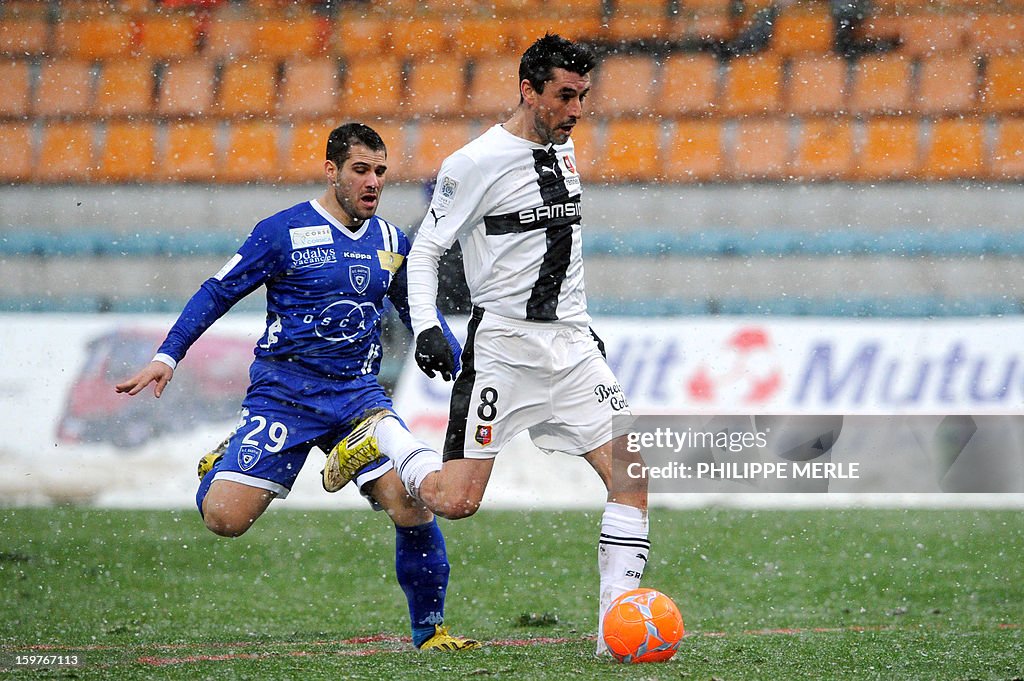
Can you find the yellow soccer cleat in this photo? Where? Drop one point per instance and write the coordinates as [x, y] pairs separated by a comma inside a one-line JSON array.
[[352, 453], [211, 458], [445, 642]]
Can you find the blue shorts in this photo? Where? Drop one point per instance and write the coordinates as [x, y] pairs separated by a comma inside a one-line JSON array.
[[285, 414]]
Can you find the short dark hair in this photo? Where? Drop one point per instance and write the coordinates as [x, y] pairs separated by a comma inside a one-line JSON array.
[[344, 137], [550, 52]]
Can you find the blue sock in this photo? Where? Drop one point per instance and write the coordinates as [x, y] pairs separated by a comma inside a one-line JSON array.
[[421, 564]]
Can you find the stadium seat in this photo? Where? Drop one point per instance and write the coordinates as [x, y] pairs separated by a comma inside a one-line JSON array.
[[631, 151], [16, 152], [817, 84], [358, 36], [752, 85], [436, 86], [305, 151], [283, 37], [1004, 87], [28, 36], [624, 84], [252, 153], [64, 88], [480, 36], [998, 32], [399, 154], [419, 37], [881, 84], [707, 6], [65, 153], [637, 28], [191, 152], [889, 149], [167, 36], [494, 87], [694, 152], [229, 36], [124, 88], [947, 84], [309, 87], [1008, 149], [372, 86], [761, 149], [128, 152], [248, 88], [824, 149], [803, 31], [435, 141], [689, 84], [586, 138], [955, 150], [15, 89], [102, 37], [712, 25], [187, 88], [924, 34]]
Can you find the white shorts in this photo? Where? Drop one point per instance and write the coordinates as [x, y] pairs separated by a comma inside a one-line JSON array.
[[543, 377]]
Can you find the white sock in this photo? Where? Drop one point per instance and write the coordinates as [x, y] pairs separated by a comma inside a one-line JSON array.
[[413, 458], [621, 557]]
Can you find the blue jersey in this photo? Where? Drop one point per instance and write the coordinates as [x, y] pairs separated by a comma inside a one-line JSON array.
[[326, 287]]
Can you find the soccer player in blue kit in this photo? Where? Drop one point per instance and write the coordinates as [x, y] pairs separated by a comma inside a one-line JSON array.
[[328, 265]]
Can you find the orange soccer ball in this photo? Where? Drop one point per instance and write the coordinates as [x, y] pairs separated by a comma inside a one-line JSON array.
[[643, 625]]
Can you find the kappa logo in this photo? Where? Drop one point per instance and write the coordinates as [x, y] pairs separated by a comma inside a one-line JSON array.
[[359, 275], [483, 435]]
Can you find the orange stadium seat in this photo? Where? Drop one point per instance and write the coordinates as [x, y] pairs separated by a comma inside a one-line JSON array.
[[309, 87], [15, 88], [1004, 86], [128, 152], [252, 153], [803, 31], [761, 150], [639, 27], [694, 152], [923, 34], [191, 153], [1008, 149], [494, 88], [589, 9], [124, 88], [955, 150], [435, 141], [105, 37], [998, 32], [248, 88], [64, 88], [824, 149], [752, 85], [881, 84], [169, 36], [358, 36], [947, 84], [16, 152], [420, 36], [706, 6], [624, 85], [817, 84], [399, 155], [187, 88], [24, 36], [372, 86], [229, 36], [436, 86], [717, 25], [475, 36], [65, 153], [305, 152], [631, 151], [689, 84], [585, 137], [889, 150], [283, 37]]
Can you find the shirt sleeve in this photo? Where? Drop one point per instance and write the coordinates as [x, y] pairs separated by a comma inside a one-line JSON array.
[[455, 208], [257, 260]]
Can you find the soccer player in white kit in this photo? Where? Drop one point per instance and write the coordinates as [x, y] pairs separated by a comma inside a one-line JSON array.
[[530, 362]]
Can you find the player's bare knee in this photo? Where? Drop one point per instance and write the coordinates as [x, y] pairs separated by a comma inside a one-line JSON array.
[[458, 509], [225, 524]]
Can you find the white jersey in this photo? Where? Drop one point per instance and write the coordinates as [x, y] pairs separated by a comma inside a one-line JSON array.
[[514, 206]]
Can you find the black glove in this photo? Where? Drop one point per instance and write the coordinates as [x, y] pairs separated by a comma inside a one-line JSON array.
[[600, 343], [434, 354]]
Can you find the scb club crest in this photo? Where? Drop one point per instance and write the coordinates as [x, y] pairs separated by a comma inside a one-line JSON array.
[[359, 275]]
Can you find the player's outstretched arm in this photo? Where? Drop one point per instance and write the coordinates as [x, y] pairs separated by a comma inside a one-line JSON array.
[[154, 372]]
